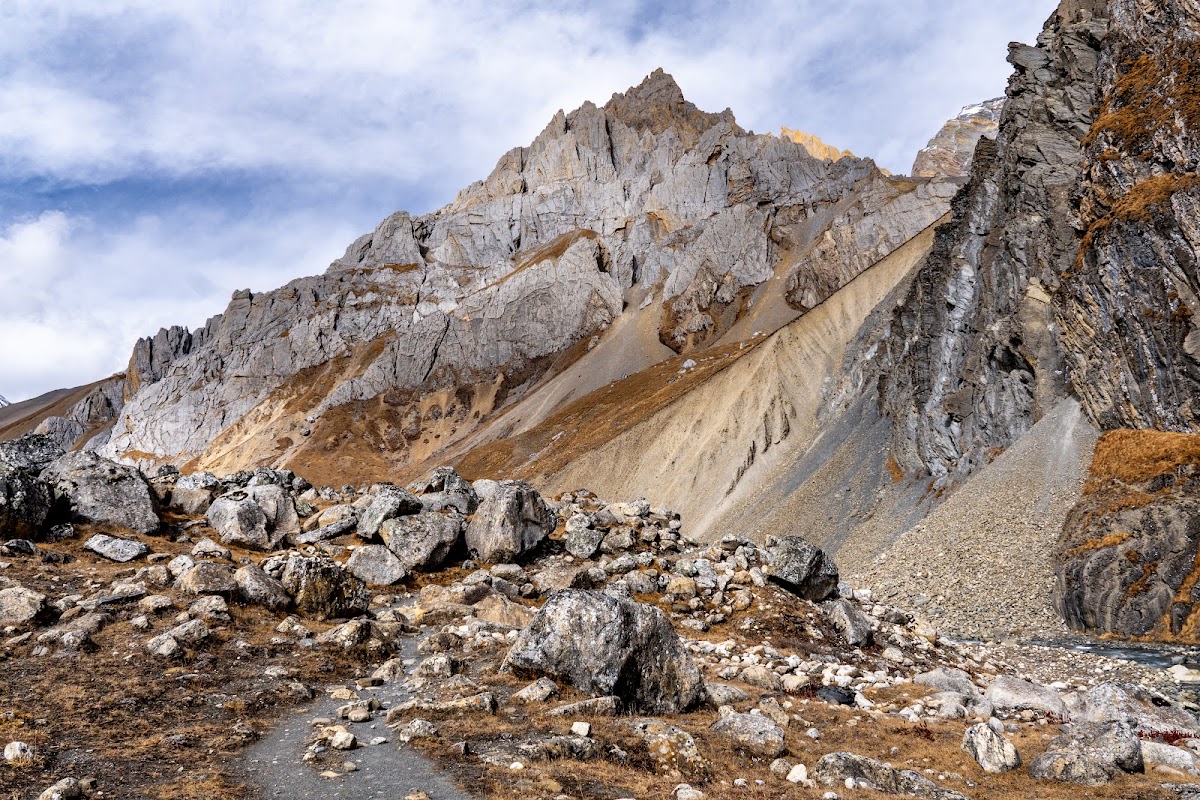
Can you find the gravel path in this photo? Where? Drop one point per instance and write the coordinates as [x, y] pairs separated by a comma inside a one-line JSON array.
[[275, 763], [979, 565]]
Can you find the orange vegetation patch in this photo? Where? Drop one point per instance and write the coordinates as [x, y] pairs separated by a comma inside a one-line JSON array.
[[1156, 92], [594, 420], [1099, 543], [1134, 457]]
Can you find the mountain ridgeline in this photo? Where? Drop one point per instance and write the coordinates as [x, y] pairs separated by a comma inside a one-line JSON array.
[[774, 334]]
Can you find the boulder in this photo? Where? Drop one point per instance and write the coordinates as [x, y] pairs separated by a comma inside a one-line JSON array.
[[376, 565], [258, 588], [20, 606], [1117, 701], [852, 625], [990, 749], [193, 494], [509, 524], [208, 577], [754, 734], [25, 502], [32, 452], [1009, 693], [446, 489], [115, 549], [583, 542], [239, 520], [389, 503], [802, 568], [948, 680], [320, 587], [97, 490], [1090, 754], [278, 507], [606, 644], [1169, 756], [845, 770], [423, 541], [672, 749]]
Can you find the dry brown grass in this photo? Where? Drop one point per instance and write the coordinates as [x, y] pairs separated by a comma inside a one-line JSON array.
[[1099, 543], [591, 421], [1133, 457], [109, 712]]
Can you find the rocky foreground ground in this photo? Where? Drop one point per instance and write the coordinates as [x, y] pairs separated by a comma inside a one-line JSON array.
[[155, 628]]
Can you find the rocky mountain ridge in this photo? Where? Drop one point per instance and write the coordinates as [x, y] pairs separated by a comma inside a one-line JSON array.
[[428, 325]]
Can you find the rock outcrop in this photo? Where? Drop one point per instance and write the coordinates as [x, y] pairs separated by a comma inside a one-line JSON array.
[[949, 153], [608, 645], [94, 489], [1127, 562], [971, 357]]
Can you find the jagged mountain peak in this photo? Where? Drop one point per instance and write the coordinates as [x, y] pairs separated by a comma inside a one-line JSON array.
[[657, 103], [949, 153], [815, 146], [4, 402]]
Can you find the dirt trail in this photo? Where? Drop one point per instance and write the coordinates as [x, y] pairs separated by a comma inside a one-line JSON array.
[[275, 767]]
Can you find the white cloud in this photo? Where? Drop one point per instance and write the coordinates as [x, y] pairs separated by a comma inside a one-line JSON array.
[[360, 98]]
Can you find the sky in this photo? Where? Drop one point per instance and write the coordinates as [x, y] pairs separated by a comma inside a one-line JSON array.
[[156, 156]]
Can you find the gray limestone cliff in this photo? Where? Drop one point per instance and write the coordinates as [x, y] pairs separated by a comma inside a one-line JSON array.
[[972, 358], [431, 322]]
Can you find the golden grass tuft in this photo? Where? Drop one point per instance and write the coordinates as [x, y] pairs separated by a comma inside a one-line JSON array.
[[1133, 457]]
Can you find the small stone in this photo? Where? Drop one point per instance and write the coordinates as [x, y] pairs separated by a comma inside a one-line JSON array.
[[114, 549], [581, 729]]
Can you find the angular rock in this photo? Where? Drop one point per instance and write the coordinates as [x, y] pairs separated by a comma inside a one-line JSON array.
[[423, 541], [1090, 754], [948, 680], [193, 494], [208, 577], [605, 644], [842, 769], [509, 524], [20, 606], [97, 490], [320, 587], [539, 691], [802, 568], [852, 625], [238, 520], [257, 588], [25, 502], [583, 542], [1150, 714], [672, 749], [390, 502], [752, 733], [114, 549], [993, 752], [32, 452], [1007, 692], [376, 565]]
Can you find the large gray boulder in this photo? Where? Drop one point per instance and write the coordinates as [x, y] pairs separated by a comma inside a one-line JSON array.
[[509, 524], [33, 452], [845, 769], [852, 625], [25, 503], [1150, 714], [1010, 693], [258, 517], [193, 494], [606, 644], [239, 520], [802, 568], [423, 541], [989, 748], [446, 489], [1090, 754], [390, 502], [258, 588], [752, 733], [20, 606], [97, 490], [320, 587], [376, 565]]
